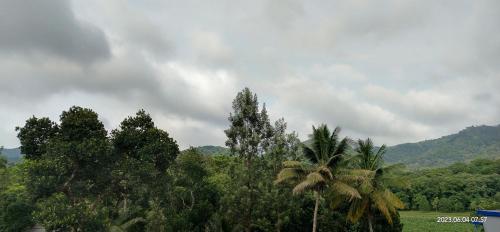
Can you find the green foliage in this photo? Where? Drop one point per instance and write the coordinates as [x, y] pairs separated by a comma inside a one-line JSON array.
[[456, 188], [15, 210], [58, 213], [248, 137], [35, 135], [374, 181], [421, 203], [16, 216], [193, 198], [322, 173], [15, 206], [3, 160]]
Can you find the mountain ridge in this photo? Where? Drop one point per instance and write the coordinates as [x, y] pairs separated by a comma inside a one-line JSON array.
[[470, 143]]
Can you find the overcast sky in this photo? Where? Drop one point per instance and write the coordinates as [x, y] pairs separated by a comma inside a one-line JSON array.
[[396, 71]]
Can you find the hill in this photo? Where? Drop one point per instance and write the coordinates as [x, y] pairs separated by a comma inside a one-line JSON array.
[[13, 155], [468, 144], [213, 150]]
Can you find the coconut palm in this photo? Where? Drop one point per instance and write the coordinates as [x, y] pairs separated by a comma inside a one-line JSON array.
[[126, 219], [374, 191], [322, 171]]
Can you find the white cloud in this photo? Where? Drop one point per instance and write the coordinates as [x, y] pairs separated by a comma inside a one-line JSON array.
[[397, 71]]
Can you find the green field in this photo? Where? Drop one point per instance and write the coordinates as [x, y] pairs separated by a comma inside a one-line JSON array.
[[422, 221]]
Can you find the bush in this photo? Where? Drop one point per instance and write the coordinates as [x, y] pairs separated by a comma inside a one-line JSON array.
[[16, 216]]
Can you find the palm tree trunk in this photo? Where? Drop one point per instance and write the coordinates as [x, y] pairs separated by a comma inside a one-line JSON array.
[[315, 218], [370, 223]]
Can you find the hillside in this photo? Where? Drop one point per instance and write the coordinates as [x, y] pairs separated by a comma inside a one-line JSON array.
[[470, 143], [213, 150], [13, 155]]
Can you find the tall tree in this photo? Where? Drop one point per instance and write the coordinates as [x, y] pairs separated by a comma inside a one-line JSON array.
[[66, 162], [277, 199], [248, 137], [142, 154], [374, 190], [35, 135], [322, 171]]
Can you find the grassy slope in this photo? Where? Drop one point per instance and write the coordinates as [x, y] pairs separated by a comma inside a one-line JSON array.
[[419, 221], [468, 144]]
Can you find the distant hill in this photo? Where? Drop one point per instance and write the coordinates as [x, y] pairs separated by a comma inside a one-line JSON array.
[[213, 150], [13, 155], [470, 143]]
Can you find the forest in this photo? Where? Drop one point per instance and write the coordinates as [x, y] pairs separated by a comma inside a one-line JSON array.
[[77, 176]]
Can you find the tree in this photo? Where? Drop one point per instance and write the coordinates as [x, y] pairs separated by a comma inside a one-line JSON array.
[[142, 154], [320, 172], [422, 203], [375, 195], [277, 199], [435, 203], [248, 137], [193, 199], [3, 160], [67, 163], [35, 136]]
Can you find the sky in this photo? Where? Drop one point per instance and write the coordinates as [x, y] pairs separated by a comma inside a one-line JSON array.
[[396, 71]]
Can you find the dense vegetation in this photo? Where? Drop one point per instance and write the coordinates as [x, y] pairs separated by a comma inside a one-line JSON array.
[[76, 176], [456, 188], [471, 143]]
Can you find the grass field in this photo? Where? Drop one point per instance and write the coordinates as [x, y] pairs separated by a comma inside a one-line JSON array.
[[419, 221]]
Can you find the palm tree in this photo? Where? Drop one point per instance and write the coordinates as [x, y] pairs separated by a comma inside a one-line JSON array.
[[374, 192], [126, 219], [320, 172]]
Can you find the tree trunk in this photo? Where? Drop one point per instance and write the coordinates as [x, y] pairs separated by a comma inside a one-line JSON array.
[[125, 204], [248, 219], [315, 218], [370, 223]]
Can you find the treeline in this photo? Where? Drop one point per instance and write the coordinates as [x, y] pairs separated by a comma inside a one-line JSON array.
[[456, 188], [76, 176]]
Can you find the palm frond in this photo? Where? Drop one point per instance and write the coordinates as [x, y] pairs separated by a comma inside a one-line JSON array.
[[393, 200], [336, 200], [313, 181], [131, 222], [357, 209], [345, 189], [334, 160], [310, 154], [326, 172], [292, 164], [333, 140], [342, 147], [380, 203], [288, 174]]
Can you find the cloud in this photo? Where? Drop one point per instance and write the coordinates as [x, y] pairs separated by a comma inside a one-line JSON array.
[[211, 48], [49, 28], [397, 71]]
